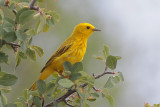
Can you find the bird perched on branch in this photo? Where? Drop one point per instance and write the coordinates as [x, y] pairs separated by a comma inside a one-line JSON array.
[[72, 50]]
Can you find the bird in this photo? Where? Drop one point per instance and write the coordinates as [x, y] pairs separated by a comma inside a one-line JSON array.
[[72, 49]]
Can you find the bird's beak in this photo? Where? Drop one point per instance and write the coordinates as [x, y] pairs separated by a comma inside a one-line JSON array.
[[96, 29]]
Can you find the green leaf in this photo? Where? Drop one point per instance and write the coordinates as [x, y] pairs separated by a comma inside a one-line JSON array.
[[74, 76], [12, 6], [3, 57], [55, 17], [91, 99], [50, 86], [41, 86], [30, 41], [110, 100], [88, 79], [19, 13], [22, 55], [77, 67], [7, 79], [3, 99], [36, 27], [37, 101], [120, 75], [26, 16], [36, 16], [67, 73], [56, 92], [86, 105], [109, 83], [46, 28], [31, 53], [11, 21], [40, 24], [23, 46], [39, 50], [33, 93], [116, 79], [106, 51], [21, 35], [111, 62], [6, 89], [30, 32], [19, 104], [99, 58], [10, 105], [10, 36], [118, 57], [21, 99], [25, 94], [65, 83], [18, 60], [67, 66], [74, 70]]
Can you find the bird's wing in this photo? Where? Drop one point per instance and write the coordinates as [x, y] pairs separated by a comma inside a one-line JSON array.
[[60, 51]]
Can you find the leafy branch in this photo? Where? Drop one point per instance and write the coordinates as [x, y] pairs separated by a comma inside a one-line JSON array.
[[70, 92]]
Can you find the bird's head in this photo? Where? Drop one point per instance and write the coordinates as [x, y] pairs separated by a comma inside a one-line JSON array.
[[85, 29]]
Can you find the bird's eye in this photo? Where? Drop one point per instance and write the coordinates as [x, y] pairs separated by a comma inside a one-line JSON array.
[[88, 27]]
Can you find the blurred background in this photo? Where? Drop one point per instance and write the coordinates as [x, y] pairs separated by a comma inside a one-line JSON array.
[[129, 27]]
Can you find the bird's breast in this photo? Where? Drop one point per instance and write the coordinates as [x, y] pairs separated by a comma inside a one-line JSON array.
[[78, 52]]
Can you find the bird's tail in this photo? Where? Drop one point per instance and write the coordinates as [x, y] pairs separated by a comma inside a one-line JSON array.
[[44, 75]]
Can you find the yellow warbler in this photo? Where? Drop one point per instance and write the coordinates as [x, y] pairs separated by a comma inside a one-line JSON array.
[[72, 50]]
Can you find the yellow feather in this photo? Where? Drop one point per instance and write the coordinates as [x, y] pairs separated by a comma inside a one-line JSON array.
[[72, 50]]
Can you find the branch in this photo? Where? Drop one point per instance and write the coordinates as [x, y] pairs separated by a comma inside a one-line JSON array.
[[31, 4], [68, 104], [62, 98], [13, 45]]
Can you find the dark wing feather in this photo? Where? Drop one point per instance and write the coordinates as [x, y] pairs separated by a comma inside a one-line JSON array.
[[58, 53]]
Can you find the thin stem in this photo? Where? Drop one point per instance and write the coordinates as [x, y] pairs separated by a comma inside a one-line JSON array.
[[13, 45], [68, 104]]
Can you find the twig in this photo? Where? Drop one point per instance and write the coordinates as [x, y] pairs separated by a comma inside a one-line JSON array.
[[32, 104], [31, 4], [13, 45], [6, 3], [100, 75], [14, 11], [27, 104], [9, 43], [42, 101], [68, 104], [66, 95], [98, 90]]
